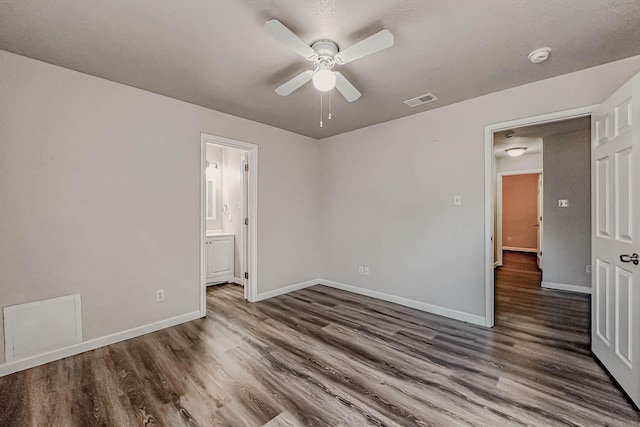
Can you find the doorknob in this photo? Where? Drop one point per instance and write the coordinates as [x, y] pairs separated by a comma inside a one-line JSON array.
[[635, 258]]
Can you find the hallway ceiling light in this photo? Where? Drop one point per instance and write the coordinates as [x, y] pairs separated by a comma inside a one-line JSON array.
[[515, 151]]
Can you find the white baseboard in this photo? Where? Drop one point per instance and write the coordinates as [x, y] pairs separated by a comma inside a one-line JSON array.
[[220, 280], [423, 306], [565, 287], [281, 291], [225, 280], [92, 344], [515, 249]]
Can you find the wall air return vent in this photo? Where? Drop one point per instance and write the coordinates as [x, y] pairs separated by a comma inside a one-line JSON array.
[[421, 100]]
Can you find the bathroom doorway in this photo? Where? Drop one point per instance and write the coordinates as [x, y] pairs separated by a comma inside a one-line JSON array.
[[228, 215]]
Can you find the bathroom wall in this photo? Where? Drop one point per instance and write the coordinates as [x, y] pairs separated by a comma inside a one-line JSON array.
[[214, 155], [231, 198]]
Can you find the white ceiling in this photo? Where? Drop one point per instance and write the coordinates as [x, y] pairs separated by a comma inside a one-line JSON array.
[[215, 53], [531, 137]]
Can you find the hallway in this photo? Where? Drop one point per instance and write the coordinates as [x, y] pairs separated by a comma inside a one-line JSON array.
[[520, 300]]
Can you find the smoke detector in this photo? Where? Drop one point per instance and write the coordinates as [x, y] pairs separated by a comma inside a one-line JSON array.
[[539, 55], [421, 100]]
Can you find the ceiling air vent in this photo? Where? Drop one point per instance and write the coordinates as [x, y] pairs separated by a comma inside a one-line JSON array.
[[420, 100]]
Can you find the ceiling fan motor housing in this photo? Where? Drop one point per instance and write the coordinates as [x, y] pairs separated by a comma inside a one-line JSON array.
[[325, 52]]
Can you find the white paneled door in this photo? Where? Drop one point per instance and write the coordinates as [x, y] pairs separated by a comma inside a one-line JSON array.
[[615, 303]]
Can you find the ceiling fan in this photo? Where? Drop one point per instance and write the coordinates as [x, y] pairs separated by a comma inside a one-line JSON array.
[[324, 55]]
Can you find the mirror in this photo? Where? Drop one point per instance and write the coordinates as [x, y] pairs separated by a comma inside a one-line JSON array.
[[211, 199], [211, 188]]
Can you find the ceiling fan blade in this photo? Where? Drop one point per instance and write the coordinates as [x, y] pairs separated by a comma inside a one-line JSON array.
[[295, 83], [372, 44], [287, 37], [345, 87]]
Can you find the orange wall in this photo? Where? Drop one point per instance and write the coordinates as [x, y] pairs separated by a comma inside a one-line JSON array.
[[519, 210]]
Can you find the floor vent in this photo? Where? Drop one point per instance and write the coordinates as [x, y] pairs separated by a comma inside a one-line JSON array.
[[38, 327], [421, 100]]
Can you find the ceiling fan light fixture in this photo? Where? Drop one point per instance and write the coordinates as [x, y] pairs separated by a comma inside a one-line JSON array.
[[324, 79], [515, 151]]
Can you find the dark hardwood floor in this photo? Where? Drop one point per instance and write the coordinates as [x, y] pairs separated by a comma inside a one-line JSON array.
[[323, 357]]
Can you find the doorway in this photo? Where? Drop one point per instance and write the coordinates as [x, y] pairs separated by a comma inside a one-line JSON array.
[[519, 200], [228, 224], [522, 128], [562, 150]]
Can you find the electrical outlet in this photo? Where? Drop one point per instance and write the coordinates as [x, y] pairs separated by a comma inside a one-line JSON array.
[[159, 295], [457, 200], [588, 269], [361, 270], [563, 203], [366, 271]]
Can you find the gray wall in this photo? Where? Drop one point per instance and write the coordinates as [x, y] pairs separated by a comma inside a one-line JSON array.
[[100, 195], [387, 192], [566, 249]]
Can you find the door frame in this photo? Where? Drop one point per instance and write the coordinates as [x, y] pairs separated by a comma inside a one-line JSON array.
[[489, 130], [244, 259], [500, 175], [251, 250]]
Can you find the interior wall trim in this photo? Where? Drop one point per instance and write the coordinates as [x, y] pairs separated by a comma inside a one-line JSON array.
[[92, 344], [418, 305], [566, 287], [515, 249], [285, 290]]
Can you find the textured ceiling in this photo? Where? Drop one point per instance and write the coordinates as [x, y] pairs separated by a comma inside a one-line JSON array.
[[215, 53], [531, 136]]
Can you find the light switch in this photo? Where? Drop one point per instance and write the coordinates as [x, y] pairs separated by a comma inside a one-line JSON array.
[[457, 200], [563, 203]]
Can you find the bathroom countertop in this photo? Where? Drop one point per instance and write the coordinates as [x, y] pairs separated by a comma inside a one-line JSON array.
[[217, 234]]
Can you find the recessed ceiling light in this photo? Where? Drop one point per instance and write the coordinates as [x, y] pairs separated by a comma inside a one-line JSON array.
[[515, 151], [539, 55]]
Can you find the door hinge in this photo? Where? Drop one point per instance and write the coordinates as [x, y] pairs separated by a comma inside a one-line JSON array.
[[246, 275], [246, 221], [246, 167]]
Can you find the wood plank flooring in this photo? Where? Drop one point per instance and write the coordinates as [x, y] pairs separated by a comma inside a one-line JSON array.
[[323, 357]]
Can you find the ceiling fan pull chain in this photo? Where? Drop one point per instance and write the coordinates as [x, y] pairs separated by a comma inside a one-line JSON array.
[[321, 109], [329, 116]]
